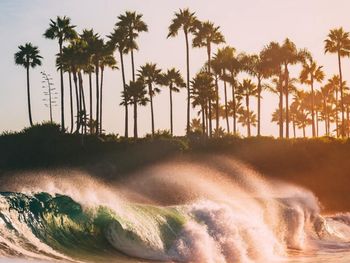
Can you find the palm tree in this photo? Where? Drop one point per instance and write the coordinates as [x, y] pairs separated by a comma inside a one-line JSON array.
[[62, 30], [206, 35], [28, 57], [273, 55], [135, 94], [132, 23], [256, 66], [107, 60], [89, 37], [174, 81], [118, 38], [338, 42], [223, 61], [246, 118], [187, 22], [150, 75], [247, 89], [65, 62], [96, 47], [334, 86], [310, 73], [202, 92]]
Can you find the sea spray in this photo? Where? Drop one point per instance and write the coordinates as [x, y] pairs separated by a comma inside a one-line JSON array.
[[215, 210]]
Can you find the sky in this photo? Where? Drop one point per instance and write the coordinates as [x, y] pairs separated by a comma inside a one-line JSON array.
[[248, 25]]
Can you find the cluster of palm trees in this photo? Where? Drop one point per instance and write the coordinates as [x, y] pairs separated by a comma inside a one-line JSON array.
[[89, 54]]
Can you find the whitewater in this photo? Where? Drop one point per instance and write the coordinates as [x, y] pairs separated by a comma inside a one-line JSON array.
[[211, 209]]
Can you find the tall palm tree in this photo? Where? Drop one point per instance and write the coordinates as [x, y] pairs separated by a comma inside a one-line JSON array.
[[202, 92], [246, 119], [186, 21], [223, 60], [96, 46], [119, 39], [28, 57], [132, 23], [89, 37], [310, 73], [334, 85], [62, 30], [256, 66], [150, 75], [174, 81], [291, 56], [135, 94], [273, 55], [107, 60], [206, 35], [64, 61], [247, 89], [338, 42]]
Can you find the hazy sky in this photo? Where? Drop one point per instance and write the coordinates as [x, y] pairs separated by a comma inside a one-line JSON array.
[[248, 25]]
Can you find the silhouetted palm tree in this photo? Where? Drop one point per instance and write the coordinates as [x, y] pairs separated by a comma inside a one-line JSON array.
[[256, 66], [62, 30], [174, 81], [206, 35], [132, 23], [150, 75], [273, 55], [187, 22], [28, 57], [247, 89], [118, 38], [202, 92], [310, 73], [338, 42], [107, 60], [135, 94]]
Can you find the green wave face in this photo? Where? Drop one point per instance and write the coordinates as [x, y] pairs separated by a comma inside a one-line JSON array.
[[56, 227]]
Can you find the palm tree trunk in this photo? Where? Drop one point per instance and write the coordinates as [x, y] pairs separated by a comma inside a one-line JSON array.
[[151, 103], [135, 120], [304, 131], [101, 100], [132, 64], [325, 114], [259, 105], [336, 112], [188, 83], [316, 119], [62, 90], [210, 108], [226, 108], [171, 108], [234, 104], [97, 98], [71, 103], [341, 97], [90, 102], [281, 105], [347, 121], [82, 103], [203, 120], [28, 98], [287, 102], [206, 120], [75, 79], [217, 104], [294, 129], [126, 120], [313, 107], [248, 115]]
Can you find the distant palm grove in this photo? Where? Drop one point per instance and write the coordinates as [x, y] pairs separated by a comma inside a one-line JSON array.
[[326, 102]]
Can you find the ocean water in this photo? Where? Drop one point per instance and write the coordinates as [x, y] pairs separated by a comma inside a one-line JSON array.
[[174, 212]]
